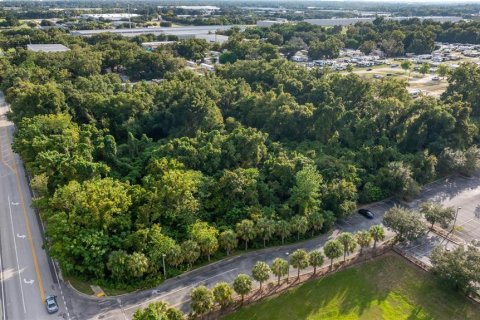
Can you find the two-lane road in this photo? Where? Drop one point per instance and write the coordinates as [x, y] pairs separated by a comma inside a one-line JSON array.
[[26, 274]]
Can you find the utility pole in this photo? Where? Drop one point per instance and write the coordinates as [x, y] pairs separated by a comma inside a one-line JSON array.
[[164, 269], [129, 18], [455, 220]]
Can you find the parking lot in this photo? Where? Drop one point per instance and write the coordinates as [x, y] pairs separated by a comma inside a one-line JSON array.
[[422, 248], [357, 222], [458, 192]]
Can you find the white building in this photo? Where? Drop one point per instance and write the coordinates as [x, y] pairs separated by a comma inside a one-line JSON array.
[[269, 23], [47, 48], [180, 32], [109, 16], [299, 58]]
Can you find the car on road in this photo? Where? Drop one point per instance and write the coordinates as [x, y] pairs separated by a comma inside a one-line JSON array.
[[369, 69], [436, 79], [366, 213], [51, 304], [377, 76]]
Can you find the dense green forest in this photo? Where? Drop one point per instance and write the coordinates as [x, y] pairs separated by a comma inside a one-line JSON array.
[[259, 152]]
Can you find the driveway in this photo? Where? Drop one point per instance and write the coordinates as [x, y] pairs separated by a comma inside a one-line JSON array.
[[457, 191]]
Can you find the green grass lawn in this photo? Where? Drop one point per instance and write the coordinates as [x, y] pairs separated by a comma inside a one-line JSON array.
[[79, 285], [387, 288]]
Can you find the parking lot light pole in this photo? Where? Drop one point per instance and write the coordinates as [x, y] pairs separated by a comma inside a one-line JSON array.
[[455, 220]]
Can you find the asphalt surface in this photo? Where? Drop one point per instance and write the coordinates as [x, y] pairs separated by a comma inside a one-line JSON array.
[[26, 273], [458, 192]]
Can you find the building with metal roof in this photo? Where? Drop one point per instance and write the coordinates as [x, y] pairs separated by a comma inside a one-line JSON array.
[[54, 47], [181, 32]]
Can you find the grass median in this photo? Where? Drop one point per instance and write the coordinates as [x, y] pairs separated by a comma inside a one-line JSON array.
[[386, 288]]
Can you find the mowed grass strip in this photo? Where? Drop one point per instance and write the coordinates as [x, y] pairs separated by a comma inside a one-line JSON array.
[[386, 288]]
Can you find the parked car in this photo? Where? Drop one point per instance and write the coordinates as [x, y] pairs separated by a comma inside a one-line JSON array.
[[366, 213], [51, 304]]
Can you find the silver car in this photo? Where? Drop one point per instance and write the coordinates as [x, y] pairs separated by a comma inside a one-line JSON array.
[[51, 304]]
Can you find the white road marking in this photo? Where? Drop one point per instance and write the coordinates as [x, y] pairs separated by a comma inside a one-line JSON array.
[[178, 290], [4, 312], [16, 256], [53, 264], [21, 236], [121, 308], [180, 303], [28, 281]]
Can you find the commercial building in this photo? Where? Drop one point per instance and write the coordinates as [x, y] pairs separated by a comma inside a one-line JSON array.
[[109, 16], [47, 48], [180, 32], [208, 37], [205, 10], [269, 23]]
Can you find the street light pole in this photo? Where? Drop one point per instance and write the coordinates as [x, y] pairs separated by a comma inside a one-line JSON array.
[[455, 220], [164, 269]]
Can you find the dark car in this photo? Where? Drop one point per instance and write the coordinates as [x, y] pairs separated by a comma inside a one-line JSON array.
[[366, 213], [51, 304]]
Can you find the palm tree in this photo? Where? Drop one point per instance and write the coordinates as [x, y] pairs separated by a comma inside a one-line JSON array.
[[364, 238], [246, 230], [190, 251], [261, 272], [299, 224], [348, 242], [316, 260], [265, 229], [242, 285], [282, 229], [279, 268], [315, 220], [175, 255], [333, 249], [222, 293], [201, 300], [299, 260], [228, 240], [378, 234]]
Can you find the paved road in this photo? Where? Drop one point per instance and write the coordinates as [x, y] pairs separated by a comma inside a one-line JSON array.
[[458, 191], [461, 193], [175, 291], [26, 273]]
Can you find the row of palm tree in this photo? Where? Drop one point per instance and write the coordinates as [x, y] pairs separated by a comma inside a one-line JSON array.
[[203, 300]]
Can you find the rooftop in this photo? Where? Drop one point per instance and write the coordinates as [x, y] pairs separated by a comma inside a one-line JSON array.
[[47, 47], [156, 30]]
